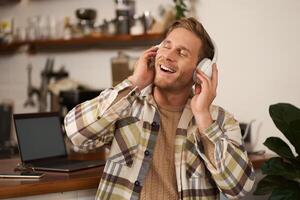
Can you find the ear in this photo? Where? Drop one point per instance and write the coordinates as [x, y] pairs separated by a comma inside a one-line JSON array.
[[195, 79], [195, 76]]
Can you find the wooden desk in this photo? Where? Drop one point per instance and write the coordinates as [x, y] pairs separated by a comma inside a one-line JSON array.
[[54, 182], [258, 160]]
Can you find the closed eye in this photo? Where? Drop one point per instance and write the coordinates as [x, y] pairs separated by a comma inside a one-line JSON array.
[[183, 52], [166, 45]]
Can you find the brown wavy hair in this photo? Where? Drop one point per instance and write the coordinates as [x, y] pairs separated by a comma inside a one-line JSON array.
[[193, 25]]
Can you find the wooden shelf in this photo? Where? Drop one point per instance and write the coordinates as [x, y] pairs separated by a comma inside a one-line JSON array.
[[78, 44], [6, 2], [10, 48]]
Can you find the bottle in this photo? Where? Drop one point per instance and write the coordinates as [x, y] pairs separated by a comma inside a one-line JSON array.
[[138, 27], [67, 29]]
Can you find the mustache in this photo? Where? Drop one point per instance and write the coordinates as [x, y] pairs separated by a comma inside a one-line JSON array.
[[164, 61]]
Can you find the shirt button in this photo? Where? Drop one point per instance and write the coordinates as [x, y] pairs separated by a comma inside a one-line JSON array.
[[137, 183], [98, 117], [146, 153], [132, 93], [154, 124]]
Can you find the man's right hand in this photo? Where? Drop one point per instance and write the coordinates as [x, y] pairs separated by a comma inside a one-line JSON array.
[[144, 75]]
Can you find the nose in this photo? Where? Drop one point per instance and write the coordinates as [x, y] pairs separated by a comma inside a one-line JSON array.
[[169, 54]]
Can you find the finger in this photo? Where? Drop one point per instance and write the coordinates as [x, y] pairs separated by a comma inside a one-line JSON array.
[[203, 77], [204, 82], [153, 48], [149, 59], [214, 78], [150, 54]]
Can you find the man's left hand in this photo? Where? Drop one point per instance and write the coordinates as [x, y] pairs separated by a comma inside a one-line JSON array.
[[205, 93]]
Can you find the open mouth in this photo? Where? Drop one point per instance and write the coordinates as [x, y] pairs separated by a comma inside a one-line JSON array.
[[167, 69]]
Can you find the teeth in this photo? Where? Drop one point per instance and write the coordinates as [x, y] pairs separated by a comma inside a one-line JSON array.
[[167, 68]]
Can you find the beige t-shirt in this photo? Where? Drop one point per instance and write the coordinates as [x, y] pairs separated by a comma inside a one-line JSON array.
[[160, 182]]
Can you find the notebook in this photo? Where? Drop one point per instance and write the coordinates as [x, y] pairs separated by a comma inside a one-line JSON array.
[[41, 144]]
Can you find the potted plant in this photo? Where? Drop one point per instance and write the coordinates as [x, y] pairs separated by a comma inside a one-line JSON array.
[[282, 178], [180, 8]]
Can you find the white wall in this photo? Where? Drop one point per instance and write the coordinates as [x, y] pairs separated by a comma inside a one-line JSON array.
[[258, 47], [258, 50]]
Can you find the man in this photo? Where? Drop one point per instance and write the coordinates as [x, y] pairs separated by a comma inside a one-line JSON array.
[[165, 142]]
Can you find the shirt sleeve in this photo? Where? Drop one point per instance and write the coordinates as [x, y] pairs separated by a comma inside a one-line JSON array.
[[233, 173], [90, 125]]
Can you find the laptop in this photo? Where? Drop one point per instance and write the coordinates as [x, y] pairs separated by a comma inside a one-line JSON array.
[[41, 144]]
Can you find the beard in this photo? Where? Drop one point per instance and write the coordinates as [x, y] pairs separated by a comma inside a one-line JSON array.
[[171, 86], [176, 82]]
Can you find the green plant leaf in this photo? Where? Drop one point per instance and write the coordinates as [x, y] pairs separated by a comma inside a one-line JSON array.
[[294, 130], [277, 166], [286, 193], [286, 117], [280, 147], [180, 8], [267, 185]]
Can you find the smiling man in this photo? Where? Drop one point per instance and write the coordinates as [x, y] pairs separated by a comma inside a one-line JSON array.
[[167, 140]]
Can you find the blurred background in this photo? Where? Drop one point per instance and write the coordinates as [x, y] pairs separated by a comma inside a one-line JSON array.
[[57, 53]]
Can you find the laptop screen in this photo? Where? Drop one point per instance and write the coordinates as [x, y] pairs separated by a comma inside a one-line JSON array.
[[39, 136]]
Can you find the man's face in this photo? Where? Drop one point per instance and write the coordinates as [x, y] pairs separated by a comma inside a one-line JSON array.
[[176, 60]]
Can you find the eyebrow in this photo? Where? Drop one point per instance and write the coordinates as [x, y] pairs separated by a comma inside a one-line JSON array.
[[180, 46]]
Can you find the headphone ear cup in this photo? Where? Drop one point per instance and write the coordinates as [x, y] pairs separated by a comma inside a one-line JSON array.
[[205, 66]]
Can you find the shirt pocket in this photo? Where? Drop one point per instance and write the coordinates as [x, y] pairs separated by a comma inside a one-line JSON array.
[[126, 141]]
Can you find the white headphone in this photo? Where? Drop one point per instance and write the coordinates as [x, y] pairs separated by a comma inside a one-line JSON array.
[[205, 64]]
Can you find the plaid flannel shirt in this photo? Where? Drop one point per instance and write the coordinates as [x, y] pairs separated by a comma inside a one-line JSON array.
[[130, 126]]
